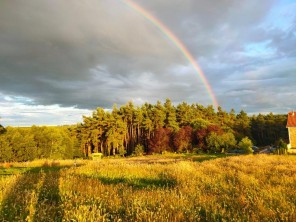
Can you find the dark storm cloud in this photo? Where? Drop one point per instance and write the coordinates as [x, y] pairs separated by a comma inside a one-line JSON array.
[[98, 52], [48, 50]]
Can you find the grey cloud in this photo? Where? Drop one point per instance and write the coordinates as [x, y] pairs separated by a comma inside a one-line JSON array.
[[265, 89], [49, 47], [98, 52]]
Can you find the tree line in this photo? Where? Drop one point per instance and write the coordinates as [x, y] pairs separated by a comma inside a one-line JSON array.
[[183, 128], [150, 128], [29, 143]]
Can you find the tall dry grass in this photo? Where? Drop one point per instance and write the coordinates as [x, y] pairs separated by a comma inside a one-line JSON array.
[[241, 188]]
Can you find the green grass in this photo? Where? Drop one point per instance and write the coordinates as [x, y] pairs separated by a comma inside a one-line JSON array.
[[171, 187], [21, 170], [13, 170]]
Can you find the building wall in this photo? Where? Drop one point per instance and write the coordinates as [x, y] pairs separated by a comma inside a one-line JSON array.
[[292, 136]]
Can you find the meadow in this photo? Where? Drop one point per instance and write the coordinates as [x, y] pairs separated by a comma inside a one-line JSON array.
[[151, 188]]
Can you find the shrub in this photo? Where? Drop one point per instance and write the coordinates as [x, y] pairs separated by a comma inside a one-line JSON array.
[[246, 145], [139, 150], [197, 150]]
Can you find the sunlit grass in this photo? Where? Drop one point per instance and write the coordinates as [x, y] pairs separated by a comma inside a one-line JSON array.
[[155, 188]]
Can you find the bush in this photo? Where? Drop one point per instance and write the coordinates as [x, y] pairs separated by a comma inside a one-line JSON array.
[[139, 150], [197, 150], [246, 145]]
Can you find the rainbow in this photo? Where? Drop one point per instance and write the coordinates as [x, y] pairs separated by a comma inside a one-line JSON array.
[[171, 36]]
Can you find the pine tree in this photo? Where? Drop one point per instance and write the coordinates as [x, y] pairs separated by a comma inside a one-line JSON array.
[[171, 119]]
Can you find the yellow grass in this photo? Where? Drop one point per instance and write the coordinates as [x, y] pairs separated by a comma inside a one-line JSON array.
[[241, 188]]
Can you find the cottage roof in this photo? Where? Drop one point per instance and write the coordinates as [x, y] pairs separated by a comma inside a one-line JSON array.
[[291, 119]]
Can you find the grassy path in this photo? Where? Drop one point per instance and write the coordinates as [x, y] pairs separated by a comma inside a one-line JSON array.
[[33, 195]]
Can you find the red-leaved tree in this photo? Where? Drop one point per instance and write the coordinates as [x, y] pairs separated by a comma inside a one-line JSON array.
[[183, 139], [161, 141]]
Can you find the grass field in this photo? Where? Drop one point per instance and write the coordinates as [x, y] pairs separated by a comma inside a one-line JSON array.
[[152, 188]]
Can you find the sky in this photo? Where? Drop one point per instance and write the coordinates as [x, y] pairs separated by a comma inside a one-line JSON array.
[[62, 59]]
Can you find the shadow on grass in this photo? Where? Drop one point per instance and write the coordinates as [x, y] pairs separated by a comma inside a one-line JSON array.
[[12, 170], [14, 206], [169, 159], [205, 157], [18, 203], [48, 207], [140, 183], [20, 170]]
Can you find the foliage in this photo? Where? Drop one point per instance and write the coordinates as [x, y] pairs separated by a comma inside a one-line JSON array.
[[220, 142], [2, 129], [281, 147], [24, 144], [139, 150], [6, 153], [178, 128], [242, 125], [267, 129], [246, 145], [161, 141], [228, 142], [183, 139], [157, 127]]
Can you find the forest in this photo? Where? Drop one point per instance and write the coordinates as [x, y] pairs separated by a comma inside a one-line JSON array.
[[147, 129]]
